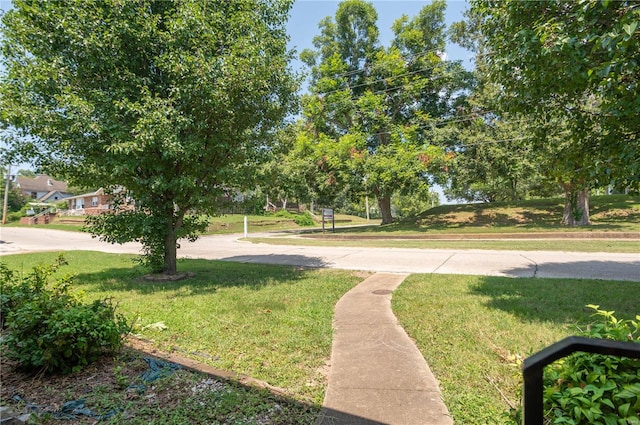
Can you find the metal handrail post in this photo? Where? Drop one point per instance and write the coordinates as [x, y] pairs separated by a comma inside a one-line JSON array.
[[533, 367]]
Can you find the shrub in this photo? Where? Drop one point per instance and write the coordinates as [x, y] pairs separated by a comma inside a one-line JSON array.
[[588, 388], [301, 219], [50, 329], [304, 219], [283, 214]]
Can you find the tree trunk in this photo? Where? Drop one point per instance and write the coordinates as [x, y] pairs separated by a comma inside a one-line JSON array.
[[576, 206], [170, 252], [384, 203]]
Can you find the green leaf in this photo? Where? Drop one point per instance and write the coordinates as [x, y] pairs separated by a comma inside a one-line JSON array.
[[625, 394], [624, 409], [630, 28]]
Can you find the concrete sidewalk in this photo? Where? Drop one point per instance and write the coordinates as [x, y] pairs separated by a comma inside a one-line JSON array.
[[378, 375], [588, 265]]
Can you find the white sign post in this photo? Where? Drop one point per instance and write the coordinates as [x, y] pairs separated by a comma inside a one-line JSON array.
[[327, 215]]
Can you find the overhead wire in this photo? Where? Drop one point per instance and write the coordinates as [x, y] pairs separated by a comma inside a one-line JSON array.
[[407, 59], [382, 80], [446, 122]]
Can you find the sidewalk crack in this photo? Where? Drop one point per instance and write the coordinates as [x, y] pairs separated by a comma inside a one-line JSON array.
[[445, 261]]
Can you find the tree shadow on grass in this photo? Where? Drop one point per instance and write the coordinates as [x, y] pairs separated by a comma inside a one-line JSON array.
[[559, 300], [254, 272]]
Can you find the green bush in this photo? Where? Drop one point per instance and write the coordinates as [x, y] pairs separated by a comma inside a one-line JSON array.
[[301, 219], [283, 214], [304, 219], [588, 388], [50, 329]]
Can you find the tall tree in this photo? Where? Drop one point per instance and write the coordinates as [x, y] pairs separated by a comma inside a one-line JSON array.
[[171, 100], [496, 157], [285, 174], [371, 108], [573, 67]]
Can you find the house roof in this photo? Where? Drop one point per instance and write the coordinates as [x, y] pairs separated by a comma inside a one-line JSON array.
[[51, 195], [41, 183], [86, 195]]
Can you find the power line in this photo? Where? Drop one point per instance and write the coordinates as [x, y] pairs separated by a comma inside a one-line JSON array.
[[446, 122], [407, 59], [381, 80]]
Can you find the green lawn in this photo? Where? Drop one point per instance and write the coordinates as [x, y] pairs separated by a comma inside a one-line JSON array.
[[274, 323], [221, 224], [472, 330], [532, 225], [269, 322], [234, 223]]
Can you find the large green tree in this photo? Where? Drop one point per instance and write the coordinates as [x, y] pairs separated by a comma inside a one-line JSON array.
[[497, 158], [371, 111], [572, 66], [172, 101]]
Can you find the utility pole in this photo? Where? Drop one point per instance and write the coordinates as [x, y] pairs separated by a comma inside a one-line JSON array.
[[6, 195]]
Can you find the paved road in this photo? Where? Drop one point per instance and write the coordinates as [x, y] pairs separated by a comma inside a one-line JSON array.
[[398, 260]]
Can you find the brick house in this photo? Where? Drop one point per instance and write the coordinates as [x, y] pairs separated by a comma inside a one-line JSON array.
[[92, 203]]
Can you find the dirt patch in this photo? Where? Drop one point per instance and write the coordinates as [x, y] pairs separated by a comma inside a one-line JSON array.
[[112, 386], [47, 394]]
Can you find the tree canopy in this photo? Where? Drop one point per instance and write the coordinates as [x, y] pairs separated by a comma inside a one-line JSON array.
[[173, 101], [372, 110], [572, 68]]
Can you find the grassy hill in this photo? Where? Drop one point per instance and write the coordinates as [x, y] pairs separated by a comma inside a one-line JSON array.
[[608, 213], [527, 225]]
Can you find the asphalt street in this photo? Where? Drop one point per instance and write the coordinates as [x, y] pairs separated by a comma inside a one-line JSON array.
[[546, 264]]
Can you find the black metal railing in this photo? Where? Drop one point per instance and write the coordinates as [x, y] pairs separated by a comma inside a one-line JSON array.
[[533, 366]]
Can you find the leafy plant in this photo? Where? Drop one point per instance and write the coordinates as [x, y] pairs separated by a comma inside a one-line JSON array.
[[589, 388], [50, 329], [302, 219]]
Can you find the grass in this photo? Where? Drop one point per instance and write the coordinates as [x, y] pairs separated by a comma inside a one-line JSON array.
[[222, 224], [497, 226], [612, 213], [272, 323], [473, 330], [607, 213], [234, 223]]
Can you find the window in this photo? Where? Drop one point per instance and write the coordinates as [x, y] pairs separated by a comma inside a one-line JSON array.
[[94, 201]]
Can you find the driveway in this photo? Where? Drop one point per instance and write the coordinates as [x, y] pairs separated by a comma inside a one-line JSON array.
[[396, 260]]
